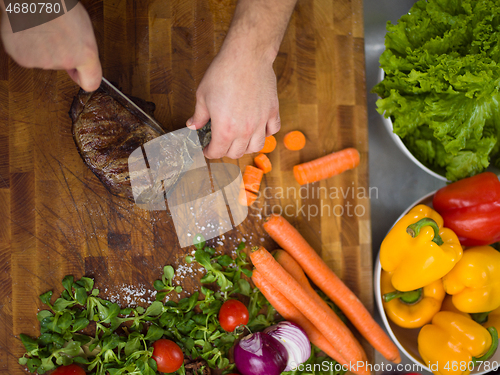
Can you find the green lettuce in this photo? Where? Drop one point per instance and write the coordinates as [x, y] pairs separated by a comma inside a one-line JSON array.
[[442, 84]]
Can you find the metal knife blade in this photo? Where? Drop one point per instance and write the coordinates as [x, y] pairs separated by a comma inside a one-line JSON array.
[[130, 105]]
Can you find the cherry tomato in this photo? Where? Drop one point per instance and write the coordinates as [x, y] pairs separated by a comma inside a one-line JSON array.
[[69, 370], [168, 356], [232, 314]]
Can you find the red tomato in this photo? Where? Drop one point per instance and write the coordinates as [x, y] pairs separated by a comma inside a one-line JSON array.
[[232, 314], [168, 356], [69, 370]]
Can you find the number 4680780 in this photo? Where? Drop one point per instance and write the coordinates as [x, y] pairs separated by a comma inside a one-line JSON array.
[[33, 8]]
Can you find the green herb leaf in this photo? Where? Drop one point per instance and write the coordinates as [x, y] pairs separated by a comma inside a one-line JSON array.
[[87, 283], [45, 297], [154, 333], [67, 283], [43, 314], [29, 343], [199, 241], [159, 285]]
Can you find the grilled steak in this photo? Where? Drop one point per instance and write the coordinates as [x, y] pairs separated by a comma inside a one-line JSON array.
[[105, 134]]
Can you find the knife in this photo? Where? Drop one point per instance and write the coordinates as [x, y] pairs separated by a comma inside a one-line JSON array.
[[204, 134]]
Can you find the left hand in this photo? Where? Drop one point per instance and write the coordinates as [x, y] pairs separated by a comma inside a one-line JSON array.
[[239, 94]]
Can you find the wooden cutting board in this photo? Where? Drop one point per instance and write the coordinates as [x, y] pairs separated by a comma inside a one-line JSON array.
[[57, 219]]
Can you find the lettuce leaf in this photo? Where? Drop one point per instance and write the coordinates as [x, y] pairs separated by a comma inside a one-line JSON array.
[[442, 83]]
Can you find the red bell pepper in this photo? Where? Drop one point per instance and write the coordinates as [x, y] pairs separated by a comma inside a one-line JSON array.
[[471, 208]]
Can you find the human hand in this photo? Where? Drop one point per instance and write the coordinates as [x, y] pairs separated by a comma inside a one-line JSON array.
[[239, 94], [67, 42]]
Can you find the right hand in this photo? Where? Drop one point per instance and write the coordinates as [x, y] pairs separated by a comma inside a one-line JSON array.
[[67, 43]]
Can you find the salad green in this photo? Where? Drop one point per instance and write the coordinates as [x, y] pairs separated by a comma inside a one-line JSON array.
[[442, 84], [80, 327]]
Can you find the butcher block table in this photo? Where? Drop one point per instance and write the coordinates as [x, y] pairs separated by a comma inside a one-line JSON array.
[[56, 218]]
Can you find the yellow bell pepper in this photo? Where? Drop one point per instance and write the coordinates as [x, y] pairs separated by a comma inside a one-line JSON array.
[[411, 309], [452, 343], [448, 305], [474, 283], [418, 250]]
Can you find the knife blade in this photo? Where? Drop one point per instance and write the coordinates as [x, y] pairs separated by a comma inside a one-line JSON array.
[[121, 98]]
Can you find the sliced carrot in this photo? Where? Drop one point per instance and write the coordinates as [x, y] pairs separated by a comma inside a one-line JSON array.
[[246, 198], [326, 320], [289, 312], [252, 178], [289, 239], [269, 144], [326, 166], [263, 162], [295, 140]]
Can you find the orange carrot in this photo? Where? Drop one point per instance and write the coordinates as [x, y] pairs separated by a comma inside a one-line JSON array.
[[252, 178], [263, 162], [326, 166], [295, 140], [291, 266], [334, 331], [246, 198], [289, 312], [291, 241], [269, 145]]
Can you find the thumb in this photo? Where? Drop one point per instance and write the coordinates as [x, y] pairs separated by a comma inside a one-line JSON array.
[[200, 117], [88, 76]]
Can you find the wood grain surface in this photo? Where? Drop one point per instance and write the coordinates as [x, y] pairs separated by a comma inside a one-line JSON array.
[[56, 218]]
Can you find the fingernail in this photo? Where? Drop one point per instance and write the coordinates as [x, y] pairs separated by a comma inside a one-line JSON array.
[[189, 124]]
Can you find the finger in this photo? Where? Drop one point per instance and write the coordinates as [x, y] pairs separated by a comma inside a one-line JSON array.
[[256, 142], [222, 138], [238, 148], [200, 117], [89, 76], [273, 125]]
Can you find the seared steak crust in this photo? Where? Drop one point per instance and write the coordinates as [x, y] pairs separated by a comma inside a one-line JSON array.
[[106, 134]]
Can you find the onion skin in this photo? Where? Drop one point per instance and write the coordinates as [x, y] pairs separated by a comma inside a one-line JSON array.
[[295, 341], [258, 354]]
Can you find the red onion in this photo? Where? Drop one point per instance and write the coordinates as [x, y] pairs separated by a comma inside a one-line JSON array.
[[294, 339], [258, 354]]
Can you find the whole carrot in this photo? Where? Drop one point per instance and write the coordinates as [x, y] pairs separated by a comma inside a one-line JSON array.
[[290, 240], [288, 311], [337, 334], [326, 166], [291, 266]]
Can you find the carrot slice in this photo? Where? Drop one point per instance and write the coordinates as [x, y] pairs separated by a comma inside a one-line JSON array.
[[295, 140], [263, 162], [252, 178], [326, 166], [269, 144], [289, 239], [337, 334], [288, 311], [246, 198]]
